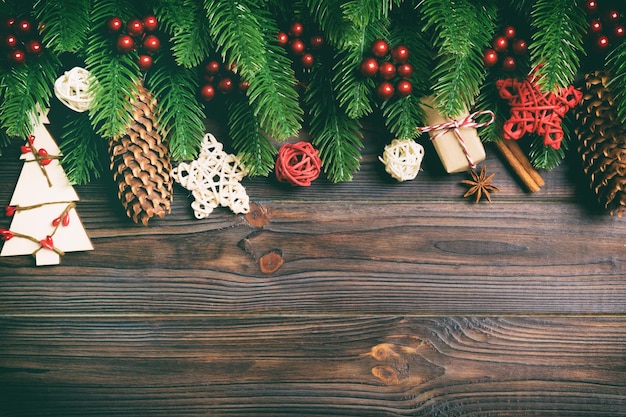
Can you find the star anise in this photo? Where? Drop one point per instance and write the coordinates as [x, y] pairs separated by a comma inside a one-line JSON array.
[[480, 185]]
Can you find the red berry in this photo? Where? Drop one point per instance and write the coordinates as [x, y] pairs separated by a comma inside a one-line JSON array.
[[44, 160], [385, 90], [11, 41], [144, 62], [24, 26], [34, 47], [595, 26], [207, 92], [387, 70], [296, 29], [6, 234], [613, 15], [404, 88], [225, 85], [150, 23], [316, 42], [114, 24], [134, 27], [307, 60], [297, 46], [404, 71], [520, 47], [591, 5], [602, 42], [379, 48], [243, 86], [17, 56], [509, 64], [151, 43], [282, 38], [490, 57], [212, 67], [500, 44], [369, 67], [509, 32], [400, 54], [618, 31], [125, 43], [8, 23]]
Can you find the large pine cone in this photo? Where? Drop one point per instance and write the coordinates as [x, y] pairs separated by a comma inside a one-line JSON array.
[[141, 166], [602, 142]]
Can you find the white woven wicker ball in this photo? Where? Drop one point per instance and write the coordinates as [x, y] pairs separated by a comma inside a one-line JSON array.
[[72, 89]]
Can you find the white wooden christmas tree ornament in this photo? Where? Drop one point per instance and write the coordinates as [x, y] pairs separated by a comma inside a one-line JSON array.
[[45, 223]]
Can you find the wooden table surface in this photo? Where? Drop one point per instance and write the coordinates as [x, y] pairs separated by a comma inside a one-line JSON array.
[[395, 299]]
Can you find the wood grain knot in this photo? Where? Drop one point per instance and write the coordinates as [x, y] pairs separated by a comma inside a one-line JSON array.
[[258, 216], [387, 374], [271, 261]]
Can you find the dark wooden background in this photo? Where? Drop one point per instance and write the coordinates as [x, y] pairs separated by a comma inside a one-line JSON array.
[[394, 300]]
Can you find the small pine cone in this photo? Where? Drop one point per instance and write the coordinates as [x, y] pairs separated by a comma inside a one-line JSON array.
[[602, 143], [141, 166]]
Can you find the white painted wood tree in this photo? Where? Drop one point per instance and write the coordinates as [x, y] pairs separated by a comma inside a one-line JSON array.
[[43, 206]]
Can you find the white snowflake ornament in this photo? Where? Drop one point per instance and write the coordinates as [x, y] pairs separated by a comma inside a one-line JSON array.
[[214, 180]]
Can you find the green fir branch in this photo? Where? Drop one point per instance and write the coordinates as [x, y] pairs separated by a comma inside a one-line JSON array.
[[462, 29], [115, 76], [545, 157], [254, 149], [67, 24], [337, 135], [364, 12], [186, 23], [83, 150], [617, 84], [355, 93], [557, 42], [24, 90], [245, 34], [403, 116], [328, 15], [488, 99]]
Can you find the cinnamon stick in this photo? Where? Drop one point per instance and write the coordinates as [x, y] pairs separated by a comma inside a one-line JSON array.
[[520, 164]]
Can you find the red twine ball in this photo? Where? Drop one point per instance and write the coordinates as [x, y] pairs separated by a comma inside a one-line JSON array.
[[298, 164]]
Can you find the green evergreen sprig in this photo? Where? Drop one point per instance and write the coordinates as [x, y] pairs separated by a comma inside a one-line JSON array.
[[180, 114], [186, 23], [617, 62], [83, 150], [337, 135], [24, 91], [462, 29], [255, 150], [557, 42], [364, 12], [329, 16], [244, 32], [63, 34]]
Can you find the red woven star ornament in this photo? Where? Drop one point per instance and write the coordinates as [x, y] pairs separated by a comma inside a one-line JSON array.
[[534, 111]]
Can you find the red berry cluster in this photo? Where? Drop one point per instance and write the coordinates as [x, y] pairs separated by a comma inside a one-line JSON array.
[[505, 45], [221, 78], [136, 35], [299, 45], [391, 67], [605, 25], [20, 40]]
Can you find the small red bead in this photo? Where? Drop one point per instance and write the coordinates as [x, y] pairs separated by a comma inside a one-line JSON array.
[[212, 67], [509, 64], [11, 41], [24, 26], [34, 47], [613, 15], [25, 149], [369, 67], [207, 92], [134, 27], [114, 24], [307, 60], [520, 47], [385, 90], [125, 43], [400, 54], [296, 29], [405, 70], [47, 243], [490, 57], [150, 23], [386, 70], [17, 56], [297, 46], [144, 62], [618, 31], [316, 42], [404, 88], [8, 23], [509, 32], [243, 86], [9, 211], [225, 85], [379, 48], [500, 44], [282, 38], [591, 5], [6, 234], [602, 42], [44, 153], [595, 26], [151, 43]]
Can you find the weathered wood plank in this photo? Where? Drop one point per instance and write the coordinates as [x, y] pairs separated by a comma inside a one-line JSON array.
[[375, 366]]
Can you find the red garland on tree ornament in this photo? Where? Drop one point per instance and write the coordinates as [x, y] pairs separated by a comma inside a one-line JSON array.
[[533, 111], [391, 67], [298, 164]]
